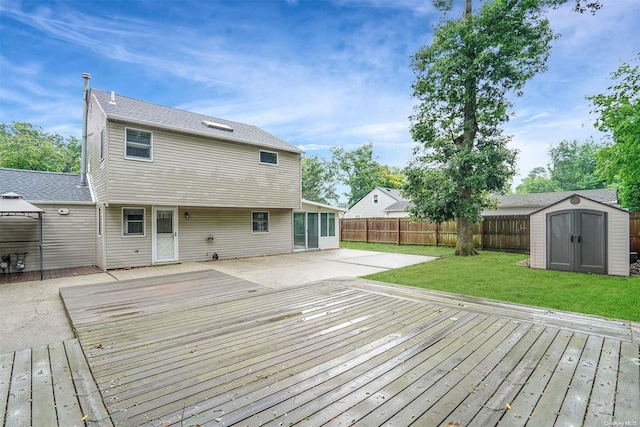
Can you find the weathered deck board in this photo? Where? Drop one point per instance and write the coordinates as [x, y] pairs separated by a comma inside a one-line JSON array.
[[209, 349], [37, 388]]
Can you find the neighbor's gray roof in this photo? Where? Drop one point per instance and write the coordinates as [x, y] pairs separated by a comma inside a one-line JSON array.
[[398, 206], [44, 186], [392, 192], [534, 200], [141, 112]]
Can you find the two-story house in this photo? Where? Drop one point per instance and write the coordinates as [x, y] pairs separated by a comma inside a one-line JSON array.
[[169, 185], [174, 185]]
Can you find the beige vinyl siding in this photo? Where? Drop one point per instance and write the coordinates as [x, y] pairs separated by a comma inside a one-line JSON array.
[[96, 168], [192, 171], [68, 240], [366, 208], [130, 251], [232, 233], [617, 235], [101, 241]]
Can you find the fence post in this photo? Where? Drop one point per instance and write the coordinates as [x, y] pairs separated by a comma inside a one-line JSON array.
[[437, 231], [398, 237], [482, 234], [366, 230]]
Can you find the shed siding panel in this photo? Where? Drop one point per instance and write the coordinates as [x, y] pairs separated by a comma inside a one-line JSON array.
[[538, 241], [618, 240], [67, 240], [366, 208], [191, 171]]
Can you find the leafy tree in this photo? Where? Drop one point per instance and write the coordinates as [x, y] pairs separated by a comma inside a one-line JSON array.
[[573, 166], [318, 181], [392, 177], [619, 114], [538, 181], [23, 146], [464, 79], [359, 171]]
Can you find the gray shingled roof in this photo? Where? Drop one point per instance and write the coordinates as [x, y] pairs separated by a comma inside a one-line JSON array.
[[398, 206], [392, 192], [133, 110], [535, 200], [41, 186]]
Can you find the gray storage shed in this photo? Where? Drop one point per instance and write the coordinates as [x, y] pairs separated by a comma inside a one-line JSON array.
[[580, 234]]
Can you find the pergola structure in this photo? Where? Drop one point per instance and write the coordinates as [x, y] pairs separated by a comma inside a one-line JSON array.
[[12, 205]]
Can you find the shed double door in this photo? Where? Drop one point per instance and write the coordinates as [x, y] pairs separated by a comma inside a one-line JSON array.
[[577, 241]]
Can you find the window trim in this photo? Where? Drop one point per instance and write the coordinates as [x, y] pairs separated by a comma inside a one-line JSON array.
[[141, 159], [144, 222], [375, 198], [268, 163], [253, 231]]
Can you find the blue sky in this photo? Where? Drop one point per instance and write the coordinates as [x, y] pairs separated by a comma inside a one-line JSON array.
[[314, 73]]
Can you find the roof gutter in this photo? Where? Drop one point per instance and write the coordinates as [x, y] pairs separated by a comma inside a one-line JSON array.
[[85, 109]]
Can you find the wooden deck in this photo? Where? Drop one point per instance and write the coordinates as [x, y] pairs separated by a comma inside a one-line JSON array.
[[28, 276], [49, 386], [209, 349]]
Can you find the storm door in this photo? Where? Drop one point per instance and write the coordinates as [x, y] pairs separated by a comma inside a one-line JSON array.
[[165, 234], [577, 241]]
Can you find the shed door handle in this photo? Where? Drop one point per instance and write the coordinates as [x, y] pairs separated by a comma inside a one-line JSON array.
[[579, 239], [572, 236]]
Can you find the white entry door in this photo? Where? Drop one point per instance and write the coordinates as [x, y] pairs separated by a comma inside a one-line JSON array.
[[165, 234]]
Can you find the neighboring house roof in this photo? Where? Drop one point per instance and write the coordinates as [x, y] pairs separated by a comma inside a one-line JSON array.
[[398, 206], [536, 200], [391, 192], [38, 186], [145, 113]]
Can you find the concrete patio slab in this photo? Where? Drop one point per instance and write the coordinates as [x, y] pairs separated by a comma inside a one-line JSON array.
[[295, 269]]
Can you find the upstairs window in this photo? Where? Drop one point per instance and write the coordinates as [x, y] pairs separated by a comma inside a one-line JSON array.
[[268, 157], [375, 198], [132, 222], [260, 222], [138, 144]]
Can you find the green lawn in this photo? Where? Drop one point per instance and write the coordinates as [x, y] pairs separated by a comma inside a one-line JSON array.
[[494, 275]]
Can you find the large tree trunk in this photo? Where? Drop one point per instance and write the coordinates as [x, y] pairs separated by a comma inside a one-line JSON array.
[[464, 245]]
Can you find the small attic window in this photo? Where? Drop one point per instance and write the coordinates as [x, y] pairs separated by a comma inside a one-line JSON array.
[[215, 125]]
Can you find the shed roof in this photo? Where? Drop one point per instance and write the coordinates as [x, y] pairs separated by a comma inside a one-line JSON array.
[[537, 200], [42, 186], [141, 112]]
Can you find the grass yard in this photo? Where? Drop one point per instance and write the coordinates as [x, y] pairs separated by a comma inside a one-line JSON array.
[[494, 275]]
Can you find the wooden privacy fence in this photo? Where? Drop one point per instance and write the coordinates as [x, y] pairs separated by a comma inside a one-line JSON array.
[[504, 233], [634, 232]]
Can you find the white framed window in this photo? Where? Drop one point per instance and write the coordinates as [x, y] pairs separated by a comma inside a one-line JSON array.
[[133, 222], [268, 157], [375, 198], [102, 144], [99, 222], [327, 224], [260, 222], [138, 144]]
